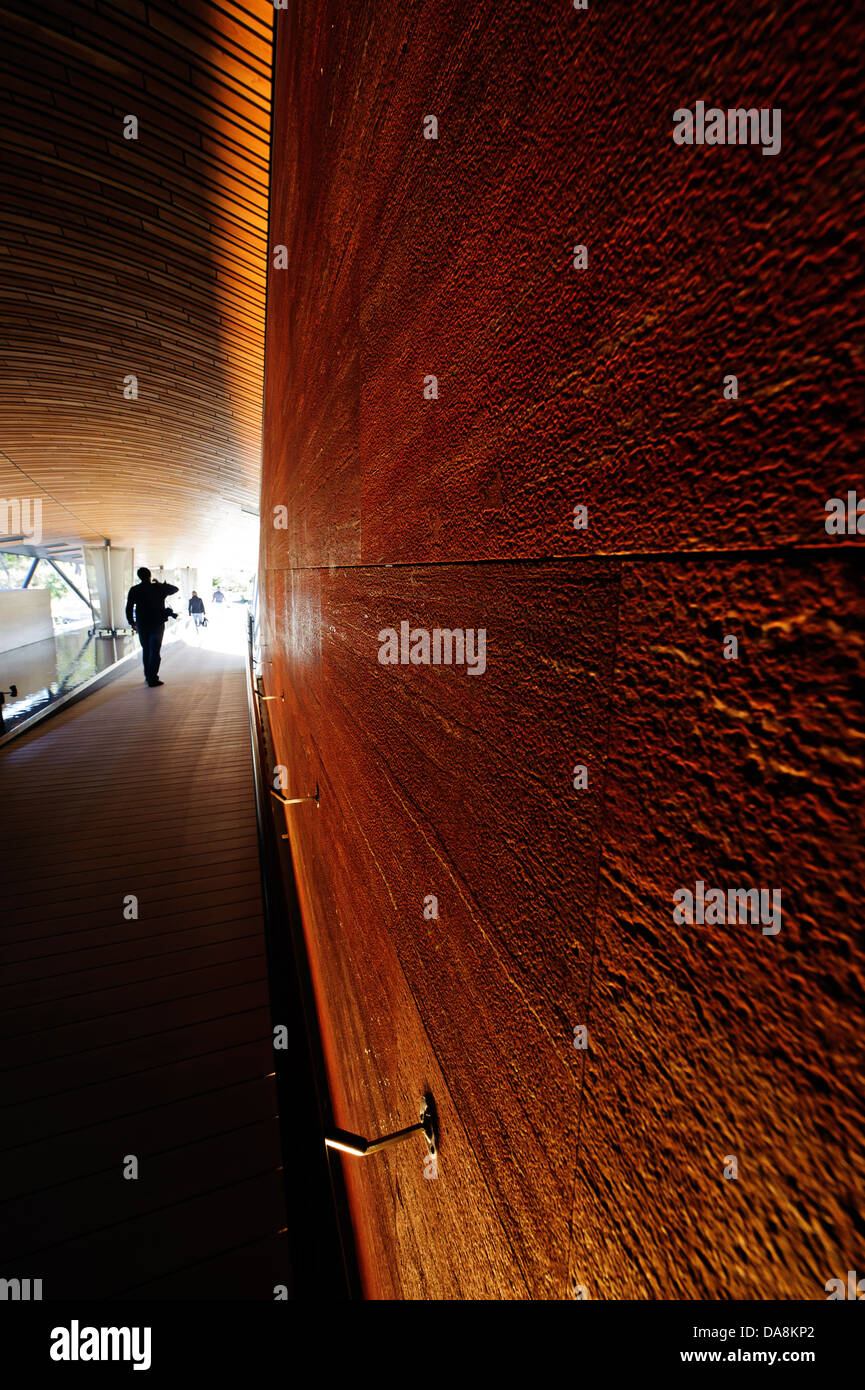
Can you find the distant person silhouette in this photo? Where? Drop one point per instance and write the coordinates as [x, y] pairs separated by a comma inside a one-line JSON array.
[[196, 609], [218, 596], [145, 613]]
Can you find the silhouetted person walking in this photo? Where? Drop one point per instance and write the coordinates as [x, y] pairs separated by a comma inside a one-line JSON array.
[[145, 613], [196, 609]]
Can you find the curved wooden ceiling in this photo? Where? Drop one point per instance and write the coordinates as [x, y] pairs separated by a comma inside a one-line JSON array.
[[142, 257]]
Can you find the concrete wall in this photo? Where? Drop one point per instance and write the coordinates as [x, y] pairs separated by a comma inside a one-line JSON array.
[[564, 1169], [25, 616]]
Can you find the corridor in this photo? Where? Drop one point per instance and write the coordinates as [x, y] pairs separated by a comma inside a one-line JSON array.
[[412, 339], [134, 999]]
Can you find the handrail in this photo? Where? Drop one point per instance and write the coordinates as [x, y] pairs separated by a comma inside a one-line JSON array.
[[320, 1234], [70, 697], [359, 1147]]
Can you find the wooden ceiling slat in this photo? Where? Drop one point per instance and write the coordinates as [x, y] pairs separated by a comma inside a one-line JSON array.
[[248, 14], [30, 94], [216, 226], [116, 103], [62, 308], [221, 54], [179, 233], [152, 253], [226, 157], [17, 140], [74, 53], [241, 31], [208, 112], [130, 9]]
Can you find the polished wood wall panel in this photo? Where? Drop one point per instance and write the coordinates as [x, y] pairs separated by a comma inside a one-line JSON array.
[[719, 1040], [560, 386], [563, 1169], [426, 789]]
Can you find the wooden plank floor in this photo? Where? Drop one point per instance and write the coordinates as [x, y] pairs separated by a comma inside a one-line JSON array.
[[148, 1036]]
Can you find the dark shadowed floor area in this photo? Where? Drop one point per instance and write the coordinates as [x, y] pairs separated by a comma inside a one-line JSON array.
[[134, 1000]]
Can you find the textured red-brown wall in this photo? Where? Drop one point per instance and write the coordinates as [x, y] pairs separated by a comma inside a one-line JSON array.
[[453, 257]]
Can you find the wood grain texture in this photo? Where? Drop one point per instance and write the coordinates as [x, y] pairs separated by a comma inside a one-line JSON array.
[[147, 1036], [557, 387], [715, 1040], [452, 257], [460, 787]]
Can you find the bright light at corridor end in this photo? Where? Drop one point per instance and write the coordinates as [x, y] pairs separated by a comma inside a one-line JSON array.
[[234, 543]]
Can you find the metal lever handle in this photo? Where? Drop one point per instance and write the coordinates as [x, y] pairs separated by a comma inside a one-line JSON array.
[[359, 1147], [294, 800]]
